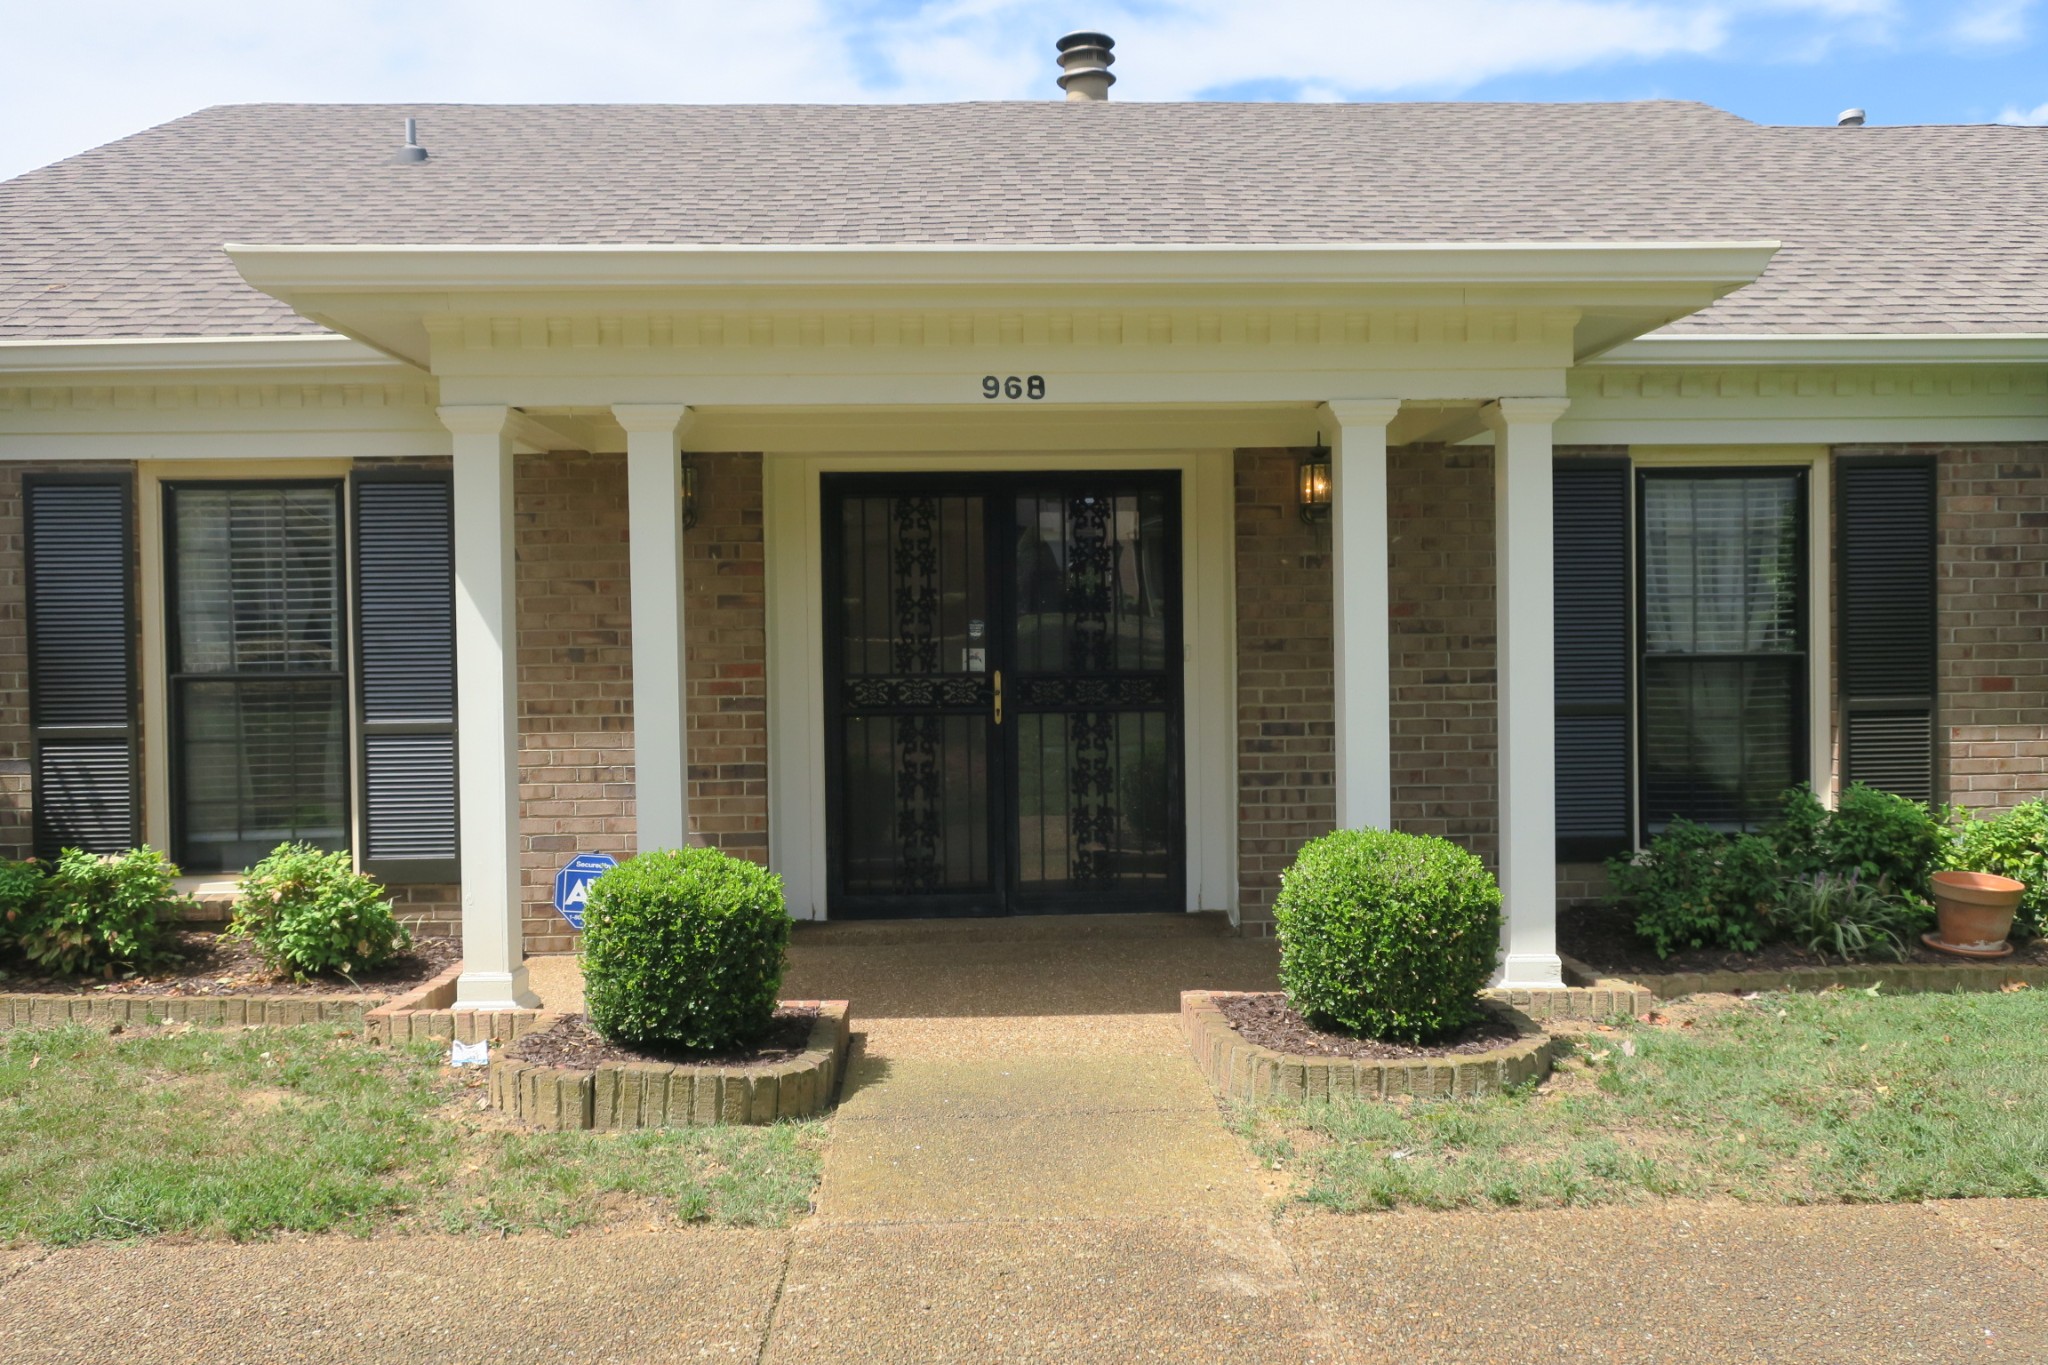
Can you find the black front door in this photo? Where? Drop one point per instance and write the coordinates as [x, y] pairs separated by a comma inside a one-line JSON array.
[[1003, 693]]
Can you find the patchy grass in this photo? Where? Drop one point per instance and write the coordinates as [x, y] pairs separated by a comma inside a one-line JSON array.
[[243, 1133], [1791, 1099]]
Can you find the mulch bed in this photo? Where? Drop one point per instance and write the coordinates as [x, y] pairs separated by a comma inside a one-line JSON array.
[[572, 1042], [1603, 937], [1266, 1020], [203, 963]]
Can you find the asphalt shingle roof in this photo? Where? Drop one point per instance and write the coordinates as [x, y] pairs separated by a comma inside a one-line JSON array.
[[1885, 229]]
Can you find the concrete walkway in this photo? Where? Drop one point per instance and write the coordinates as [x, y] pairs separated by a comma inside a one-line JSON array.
[[1024, 1168]]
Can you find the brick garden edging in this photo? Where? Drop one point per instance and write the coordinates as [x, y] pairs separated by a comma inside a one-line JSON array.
[[619, 1095], [1904, 977], [1605, 998], [426, 1012], [1243, 1070], [282, 1011]]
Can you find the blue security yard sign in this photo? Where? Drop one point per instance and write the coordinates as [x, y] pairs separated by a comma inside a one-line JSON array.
[[572, 884]]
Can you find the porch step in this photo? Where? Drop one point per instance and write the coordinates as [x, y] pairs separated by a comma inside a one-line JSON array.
[[1016, 929]]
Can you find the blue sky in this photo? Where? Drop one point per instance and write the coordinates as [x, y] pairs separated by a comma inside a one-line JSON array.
[[99, 69]]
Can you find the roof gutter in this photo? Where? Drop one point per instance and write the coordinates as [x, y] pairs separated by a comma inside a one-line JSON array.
[[347, 268], [1928, 348], [122, 355]]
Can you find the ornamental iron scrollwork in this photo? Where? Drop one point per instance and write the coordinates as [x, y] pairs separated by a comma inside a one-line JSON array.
[[1100, 691], [920, 798], [914, 647], [890, 692], [1091, 583], [1092, 820]]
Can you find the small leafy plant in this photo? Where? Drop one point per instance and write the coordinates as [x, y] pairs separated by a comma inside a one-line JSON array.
[[21, 882], [1387, 935], [1878, 835], [683, 950], [96, 915], [1843, 915], [1694, 887], [2012, 844], [308, 911]]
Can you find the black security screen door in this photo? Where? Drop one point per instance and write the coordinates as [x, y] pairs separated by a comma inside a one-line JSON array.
[[1003, 693]]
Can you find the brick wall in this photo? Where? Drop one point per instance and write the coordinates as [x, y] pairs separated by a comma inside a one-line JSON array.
[[1993, 619], [1285, 727], [576, 668], [17, 824]]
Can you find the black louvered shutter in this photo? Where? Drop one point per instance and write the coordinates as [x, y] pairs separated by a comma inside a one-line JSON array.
[[81, 641], [1885, 527], [405, 661], [1591, 544]]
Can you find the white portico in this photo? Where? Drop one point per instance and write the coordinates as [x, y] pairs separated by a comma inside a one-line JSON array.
[[875, 359]]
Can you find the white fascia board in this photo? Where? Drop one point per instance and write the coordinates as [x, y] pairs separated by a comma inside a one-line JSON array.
[[373, 268], [1928, 348], [140, 355]]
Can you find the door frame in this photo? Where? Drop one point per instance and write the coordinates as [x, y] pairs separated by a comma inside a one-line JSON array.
[[793, 501]]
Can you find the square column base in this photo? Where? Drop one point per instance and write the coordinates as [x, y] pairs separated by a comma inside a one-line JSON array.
[[1529, 971], [495, 991]]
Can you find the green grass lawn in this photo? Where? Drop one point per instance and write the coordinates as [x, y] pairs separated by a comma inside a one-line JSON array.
[[1838, 1097], [246, 1132]]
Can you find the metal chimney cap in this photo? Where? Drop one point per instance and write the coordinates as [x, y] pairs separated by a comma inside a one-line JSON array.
[[1849, 118], [1085, 59]]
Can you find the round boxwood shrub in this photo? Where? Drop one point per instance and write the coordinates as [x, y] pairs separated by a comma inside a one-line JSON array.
[[683, 951], [1387, 935]]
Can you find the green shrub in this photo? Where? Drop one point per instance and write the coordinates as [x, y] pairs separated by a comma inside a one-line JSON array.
[[1878, 835], [1696, 888], [96, 915], [1799, 832], [2013, 844], [683, 950], [1387, 935], [21, 882], [308, 911], [1842, 914]]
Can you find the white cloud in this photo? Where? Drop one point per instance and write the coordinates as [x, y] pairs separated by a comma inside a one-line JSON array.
[[2035, 117], [1991, 23], [103, 68]]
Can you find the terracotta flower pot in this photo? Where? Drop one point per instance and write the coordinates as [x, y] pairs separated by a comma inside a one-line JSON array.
[[1975, 910]]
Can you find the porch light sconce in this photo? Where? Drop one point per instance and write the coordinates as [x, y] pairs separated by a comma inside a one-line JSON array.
[[689, 495], [1315, 483]]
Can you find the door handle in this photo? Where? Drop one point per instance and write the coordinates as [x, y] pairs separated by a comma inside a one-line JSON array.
[[999, 696]]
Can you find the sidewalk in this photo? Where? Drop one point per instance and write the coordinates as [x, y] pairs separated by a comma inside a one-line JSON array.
[[1025, 1168]]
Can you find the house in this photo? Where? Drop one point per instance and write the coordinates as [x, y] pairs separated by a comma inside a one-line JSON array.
[[1010, 507]]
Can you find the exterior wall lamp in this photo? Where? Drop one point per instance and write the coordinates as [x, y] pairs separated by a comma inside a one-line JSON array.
[[1315, 483], [689, 495]]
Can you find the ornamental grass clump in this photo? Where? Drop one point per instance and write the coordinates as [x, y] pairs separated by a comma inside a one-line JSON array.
[[683, 951], [1387, 935], [307, 911]]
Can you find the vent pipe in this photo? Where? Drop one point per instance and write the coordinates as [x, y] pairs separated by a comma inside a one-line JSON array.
[[1849, 118], [1084, 66], [411, 151]]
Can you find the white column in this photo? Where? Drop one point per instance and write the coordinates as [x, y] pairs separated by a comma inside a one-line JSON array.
[[1524, 597], [654, 494], [487, 712], [1364, 652]]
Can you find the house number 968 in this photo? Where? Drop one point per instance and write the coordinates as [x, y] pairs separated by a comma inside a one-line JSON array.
[[1013, 387]]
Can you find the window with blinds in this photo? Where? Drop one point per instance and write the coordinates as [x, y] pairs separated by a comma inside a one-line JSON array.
[[1722, 593], [259, 716]]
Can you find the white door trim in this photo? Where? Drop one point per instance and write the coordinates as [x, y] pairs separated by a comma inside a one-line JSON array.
[[794, 549]]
